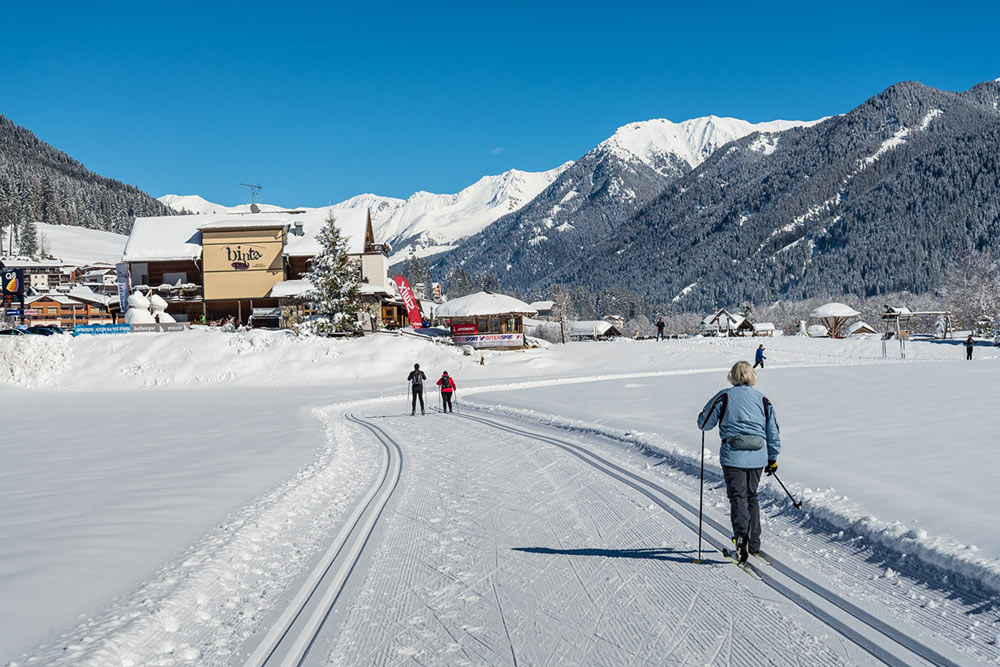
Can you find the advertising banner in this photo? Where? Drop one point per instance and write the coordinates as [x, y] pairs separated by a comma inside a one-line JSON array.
[[410, 301], [98, 329], [464, 329], [124, 284], [13, 281], [490, 340]]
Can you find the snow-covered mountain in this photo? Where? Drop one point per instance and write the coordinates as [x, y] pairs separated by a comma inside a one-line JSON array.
[[659, 143], [425, 223], [599, 192], [622, 171]]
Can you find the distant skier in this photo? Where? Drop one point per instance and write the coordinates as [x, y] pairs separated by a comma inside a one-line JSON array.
[[968, 348], [447, 384], [416, 379], [750, 443], [759, 358], [659, 329]]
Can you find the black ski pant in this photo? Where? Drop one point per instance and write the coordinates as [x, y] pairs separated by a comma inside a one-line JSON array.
[[418, 392], [968, 353], [446, 395], [758, 363], [744, 512]]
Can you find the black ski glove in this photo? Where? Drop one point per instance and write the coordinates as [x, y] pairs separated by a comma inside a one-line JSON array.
[[772, 467]]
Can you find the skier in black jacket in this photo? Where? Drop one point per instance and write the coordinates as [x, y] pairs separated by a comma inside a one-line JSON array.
[[416, 379]]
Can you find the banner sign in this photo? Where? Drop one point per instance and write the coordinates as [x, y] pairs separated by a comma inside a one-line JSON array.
[[410, 301], [464, 329], [490, 340], [13, 311], [13, 281], [124, 284], [30, 311], [161, 327], [97, 329]]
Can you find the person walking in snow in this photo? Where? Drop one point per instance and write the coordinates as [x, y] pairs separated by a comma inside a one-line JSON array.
[[416, 379], [968, 347], [659, 329], [750, 444], [447, 384], [759, 358]]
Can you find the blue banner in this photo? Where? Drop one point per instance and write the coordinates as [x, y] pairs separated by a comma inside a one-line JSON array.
[[94, 329], [15, 311]]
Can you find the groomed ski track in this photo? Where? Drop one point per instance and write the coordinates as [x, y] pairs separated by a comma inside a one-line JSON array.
[[502, 640], [875, 636], [291, 637]]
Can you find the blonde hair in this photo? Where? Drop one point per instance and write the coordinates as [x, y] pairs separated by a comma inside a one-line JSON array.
[[742, 373]]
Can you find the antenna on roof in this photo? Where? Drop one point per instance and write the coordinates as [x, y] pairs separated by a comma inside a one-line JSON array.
[[254, 189]]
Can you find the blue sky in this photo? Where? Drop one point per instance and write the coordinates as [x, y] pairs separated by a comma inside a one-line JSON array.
[[319, 102]]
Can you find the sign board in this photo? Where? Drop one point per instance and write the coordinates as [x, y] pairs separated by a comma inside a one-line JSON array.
[[464, 329], [490, 340], [12, 311], [267, 312], [31, 311], [100, 329], [406, 294], [242, 263], [13, 281]]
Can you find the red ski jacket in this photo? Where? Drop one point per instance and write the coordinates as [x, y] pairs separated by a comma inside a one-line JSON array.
[[451, 384]]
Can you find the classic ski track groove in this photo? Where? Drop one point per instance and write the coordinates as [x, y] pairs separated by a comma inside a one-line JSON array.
[[650, 489], [297, 631]]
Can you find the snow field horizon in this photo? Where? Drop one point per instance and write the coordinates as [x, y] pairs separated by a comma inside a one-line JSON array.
[[141, 372]]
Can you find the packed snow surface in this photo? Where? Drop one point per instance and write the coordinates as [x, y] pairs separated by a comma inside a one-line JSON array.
[[79, 245], [161, 492]]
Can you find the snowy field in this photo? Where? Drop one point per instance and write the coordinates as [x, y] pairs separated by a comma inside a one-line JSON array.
[[163, 494]]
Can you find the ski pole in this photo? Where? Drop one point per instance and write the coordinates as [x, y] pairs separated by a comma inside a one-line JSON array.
[[408, 388], [701, 494], [796, 505], [440, 402]]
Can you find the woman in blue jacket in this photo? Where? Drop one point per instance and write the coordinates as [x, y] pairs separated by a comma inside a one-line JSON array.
[[750, 444]]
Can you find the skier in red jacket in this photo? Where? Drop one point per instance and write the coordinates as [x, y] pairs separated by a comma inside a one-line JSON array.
[[447, 384]]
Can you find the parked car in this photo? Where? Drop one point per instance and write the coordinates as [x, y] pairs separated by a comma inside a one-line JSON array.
[[12, 332], [40, 331], [55, 328]]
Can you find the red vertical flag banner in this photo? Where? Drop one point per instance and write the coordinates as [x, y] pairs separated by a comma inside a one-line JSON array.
[[410, 301]]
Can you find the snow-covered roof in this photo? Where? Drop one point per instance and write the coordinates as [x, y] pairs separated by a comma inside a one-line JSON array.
[[543, 305], [859, 326], [592, 328], [178, 237], [261, 221], [834, 309], [288, 288], [483, 303], [818, 331], [58, 298], [764, 326]]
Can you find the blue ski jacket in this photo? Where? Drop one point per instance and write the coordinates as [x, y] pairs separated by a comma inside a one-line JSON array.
[[742, 411], [760, 355]]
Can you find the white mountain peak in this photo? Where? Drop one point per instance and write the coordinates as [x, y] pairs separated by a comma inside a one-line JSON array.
[[425, 223], [691, 140]]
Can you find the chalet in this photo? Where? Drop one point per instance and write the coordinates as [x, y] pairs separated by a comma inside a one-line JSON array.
[[250, 266], [724, 323], [78, 306], [594, 330], [485, 319]]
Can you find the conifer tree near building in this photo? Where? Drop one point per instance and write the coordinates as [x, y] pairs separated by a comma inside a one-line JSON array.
[[335, 296]]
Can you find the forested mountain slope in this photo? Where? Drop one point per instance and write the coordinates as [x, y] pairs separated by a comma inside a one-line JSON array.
[[883, 198], [39, 183]]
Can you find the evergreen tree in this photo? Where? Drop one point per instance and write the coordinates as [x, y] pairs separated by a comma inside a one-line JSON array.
[[335, 276], [28, 245]]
